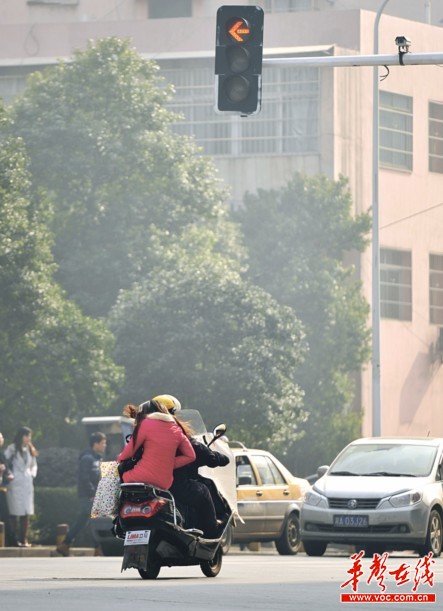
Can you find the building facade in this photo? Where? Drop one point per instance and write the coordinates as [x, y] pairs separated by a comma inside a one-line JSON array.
[[315, 120]]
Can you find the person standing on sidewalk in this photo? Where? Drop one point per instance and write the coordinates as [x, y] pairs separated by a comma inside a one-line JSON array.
[[88, 478], [22, 457], [6, 476]]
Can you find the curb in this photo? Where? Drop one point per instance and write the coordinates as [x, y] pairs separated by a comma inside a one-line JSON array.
[[40, 551]]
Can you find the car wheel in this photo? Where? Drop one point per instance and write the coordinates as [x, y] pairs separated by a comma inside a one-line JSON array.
[[289, 542], [211, 568], [226, 541], [434, 536], [151, 572], [315, 548]]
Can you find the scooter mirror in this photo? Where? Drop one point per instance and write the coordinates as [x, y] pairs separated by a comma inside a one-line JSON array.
[[219, 430]]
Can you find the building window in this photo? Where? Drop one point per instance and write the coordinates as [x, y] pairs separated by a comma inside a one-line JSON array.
[[436, 289], [287, 124], [165, 9], [395, 130], [435, 137], [396, 284], [280, 6]]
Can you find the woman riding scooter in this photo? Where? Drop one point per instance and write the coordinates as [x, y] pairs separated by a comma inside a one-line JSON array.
[[165, 446], [189, 488]]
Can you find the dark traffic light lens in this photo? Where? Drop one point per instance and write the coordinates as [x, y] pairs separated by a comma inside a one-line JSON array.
[[237, 88], [238, 58]]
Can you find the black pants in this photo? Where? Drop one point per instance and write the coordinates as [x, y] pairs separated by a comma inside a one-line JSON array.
[[81, 521], [196, 494], [5, 518]]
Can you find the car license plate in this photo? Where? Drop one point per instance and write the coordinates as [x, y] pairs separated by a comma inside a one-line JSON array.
[[137, 537], [349, 521]]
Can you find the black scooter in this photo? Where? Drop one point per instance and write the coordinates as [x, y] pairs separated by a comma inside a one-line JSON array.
[[158, 532]]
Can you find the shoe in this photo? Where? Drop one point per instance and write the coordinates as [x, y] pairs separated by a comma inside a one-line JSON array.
[[63, 549], [98, 551]]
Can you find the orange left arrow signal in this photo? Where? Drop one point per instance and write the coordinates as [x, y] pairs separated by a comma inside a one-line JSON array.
[[239, 31]]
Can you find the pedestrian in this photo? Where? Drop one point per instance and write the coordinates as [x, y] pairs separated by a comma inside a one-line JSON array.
[[165, 446], [6, 476], [88, 478], [22, 457]]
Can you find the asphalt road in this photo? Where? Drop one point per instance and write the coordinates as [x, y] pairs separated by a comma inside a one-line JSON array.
[[259, 582]]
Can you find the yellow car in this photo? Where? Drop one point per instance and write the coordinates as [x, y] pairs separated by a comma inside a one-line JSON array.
[[269, 500]]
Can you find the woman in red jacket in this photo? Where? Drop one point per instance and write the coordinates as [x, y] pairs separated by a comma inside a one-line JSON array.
[[165, 446]]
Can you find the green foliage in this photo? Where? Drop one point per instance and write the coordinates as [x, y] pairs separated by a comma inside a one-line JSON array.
[[97, 133], [298, 239], [55, 364], [139, 213], [57, 467], [196, 329], [55, 506]]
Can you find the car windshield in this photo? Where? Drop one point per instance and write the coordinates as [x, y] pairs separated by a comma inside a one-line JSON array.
[[382, 459]]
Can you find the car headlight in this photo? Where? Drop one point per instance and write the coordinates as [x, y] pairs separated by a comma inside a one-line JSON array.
[[316, 499], [406, 498]]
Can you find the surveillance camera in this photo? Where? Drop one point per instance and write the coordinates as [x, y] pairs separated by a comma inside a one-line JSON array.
[[403, 43]]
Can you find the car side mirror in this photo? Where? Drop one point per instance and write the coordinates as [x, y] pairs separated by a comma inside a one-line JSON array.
[[322, 470]]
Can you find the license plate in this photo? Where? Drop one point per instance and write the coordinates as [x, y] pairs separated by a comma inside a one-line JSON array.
[[347, 521], [137, 537]]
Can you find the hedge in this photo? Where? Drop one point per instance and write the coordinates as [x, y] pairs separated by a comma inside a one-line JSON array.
[[55, 506]]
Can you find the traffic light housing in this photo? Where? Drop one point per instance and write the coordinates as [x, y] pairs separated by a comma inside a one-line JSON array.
[[238, 59]]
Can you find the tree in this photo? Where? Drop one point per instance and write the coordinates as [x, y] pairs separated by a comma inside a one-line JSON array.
[[55, 364], [298, 238], [142, 237], [194, 328], [98, 136]]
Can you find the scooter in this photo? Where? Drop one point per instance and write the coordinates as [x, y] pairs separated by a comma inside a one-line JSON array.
[[158, 532]]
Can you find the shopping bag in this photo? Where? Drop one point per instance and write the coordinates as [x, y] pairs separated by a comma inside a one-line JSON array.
[[107, 495]]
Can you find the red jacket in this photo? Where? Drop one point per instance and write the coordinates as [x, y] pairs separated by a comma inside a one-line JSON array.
[[165, 448]]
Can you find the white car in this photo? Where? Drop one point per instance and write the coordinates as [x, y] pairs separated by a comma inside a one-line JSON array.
[[379, 494]]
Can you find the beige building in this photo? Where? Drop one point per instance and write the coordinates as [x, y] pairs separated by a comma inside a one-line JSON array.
[[312, 119]]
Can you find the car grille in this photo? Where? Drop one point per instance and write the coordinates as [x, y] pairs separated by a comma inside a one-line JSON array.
[[361, 503]]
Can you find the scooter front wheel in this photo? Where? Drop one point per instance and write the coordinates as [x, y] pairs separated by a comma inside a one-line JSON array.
[[151, 572], [211, 568]]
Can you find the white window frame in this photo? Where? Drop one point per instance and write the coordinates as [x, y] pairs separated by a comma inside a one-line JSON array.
[[436, 137], [289, 122], [396, 125], [436, 289], [396, 284]]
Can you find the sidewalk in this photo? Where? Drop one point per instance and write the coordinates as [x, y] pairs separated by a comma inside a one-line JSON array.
[[42, 551]]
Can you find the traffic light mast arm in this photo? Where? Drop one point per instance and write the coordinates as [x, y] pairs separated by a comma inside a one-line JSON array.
[[404, 59]]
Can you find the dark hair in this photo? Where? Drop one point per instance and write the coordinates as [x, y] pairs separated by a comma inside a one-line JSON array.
[[148, 407], [96, 437], [23, 431], [185, 427]]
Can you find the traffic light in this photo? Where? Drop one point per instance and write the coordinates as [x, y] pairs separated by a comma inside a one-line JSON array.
[[238, 59]]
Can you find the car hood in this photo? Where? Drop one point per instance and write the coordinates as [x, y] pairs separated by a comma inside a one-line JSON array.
[[365, 487]]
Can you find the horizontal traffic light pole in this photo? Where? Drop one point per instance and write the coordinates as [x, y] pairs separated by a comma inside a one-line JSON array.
[[403, 59]]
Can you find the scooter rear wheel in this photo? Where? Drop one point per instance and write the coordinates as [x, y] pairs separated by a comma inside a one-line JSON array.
[[211, 568], [152, 571]]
